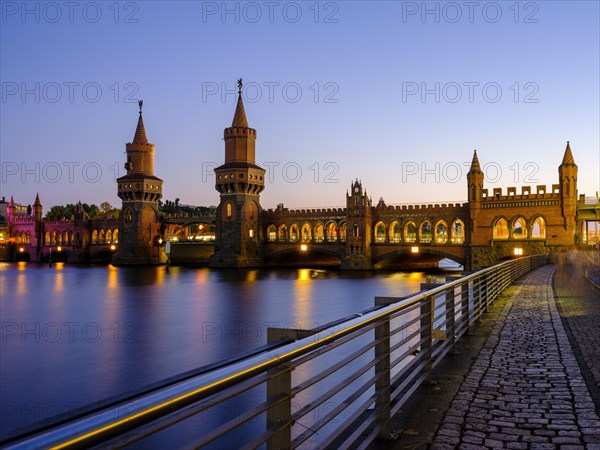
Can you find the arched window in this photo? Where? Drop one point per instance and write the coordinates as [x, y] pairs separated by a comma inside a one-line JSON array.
[[519, 230], [271, 233], [410, 231], [59, 238], [538, 229], [356, 230], [28, 237], [425, 234], [71, 238], [108, 236], [101, 237], [342, 233], [319, 233], [331, 232], [441, 232], [458, 232], [116, 236], [501, 229], [306, 233], [251, 232], [228, 210], [251, 211], [294, 235], [47, 238], [395, 232], [128, 215], [94, 236], [379, 232], [283, 233], [53, 238]]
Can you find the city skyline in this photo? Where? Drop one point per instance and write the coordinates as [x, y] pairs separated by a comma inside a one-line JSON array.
[[400, 107]]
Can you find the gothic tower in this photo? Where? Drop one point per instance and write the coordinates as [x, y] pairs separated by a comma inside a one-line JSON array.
[[239, 182], [140, 192], [359, 228], [567, 174], [474, 193]]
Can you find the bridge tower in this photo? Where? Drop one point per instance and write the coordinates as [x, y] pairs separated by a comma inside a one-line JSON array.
[[567, 174], [239, 182], [359, 229], [140, 192], [474, 195]]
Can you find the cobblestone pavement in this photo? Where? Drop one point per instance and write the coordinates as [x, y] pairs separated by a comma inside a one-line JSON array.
[[525, 390], [578, 303]]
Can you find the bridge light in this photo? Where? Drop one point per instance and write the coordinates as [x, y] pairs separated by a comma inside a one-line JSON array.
[[59, 248], [518, 251], [21, 250], [113, 247], [414, 249], [303, 247]]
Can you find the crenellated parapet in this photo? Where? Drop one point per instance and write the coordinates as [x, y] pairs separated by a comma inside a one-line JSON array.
[[526, 194]]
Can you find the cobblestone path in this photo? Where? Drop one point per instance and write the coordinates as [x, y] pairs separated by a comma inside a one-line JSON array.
[[525, 389]]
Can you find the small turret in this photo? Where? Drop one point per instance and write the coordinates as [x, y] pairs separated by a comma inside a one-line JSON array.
[[37, 209]]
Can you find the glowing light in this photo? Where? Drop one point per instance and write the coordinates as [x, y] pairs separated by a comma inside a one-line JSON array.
[[518, 251], [414, 249], [58, 248], [303, 247], [160, 240], [113, 247], [21, 249]]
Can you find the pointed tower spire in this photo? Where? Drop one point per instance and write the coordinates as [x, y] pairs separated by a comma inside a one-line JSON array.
[[140, 131], [568, 157], [37, 200], [239, 118], [12, 201], [475, 167]]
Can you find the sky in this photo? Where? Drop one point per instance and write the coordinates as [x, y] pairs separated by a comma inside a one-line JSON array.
[[396, 94]]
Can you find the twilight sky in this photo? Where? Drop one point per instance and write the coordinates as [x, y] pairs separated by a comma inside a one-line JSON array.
[[387, 92]]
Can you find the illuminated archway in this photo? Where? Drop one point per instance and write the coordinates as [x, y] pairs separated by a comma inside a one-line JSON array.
[[395, 232], [519, 230], [441, 232], [425, 232], [538, 228], [380, 232], [501, 229], [410, 231]]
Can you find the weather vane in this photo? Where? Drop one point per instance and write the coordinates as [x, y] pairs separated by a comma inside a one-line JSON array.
[[140, 103], [239, 84]]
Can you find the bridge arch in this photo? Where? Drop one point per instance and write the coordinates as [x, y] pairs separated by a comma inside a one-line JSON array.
[[406, 251], [294, 232], [315, 256], [282, 233]]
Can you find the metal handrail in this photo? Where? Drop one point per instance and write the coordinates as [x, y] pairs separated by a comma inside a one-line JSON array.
[[464, 300]]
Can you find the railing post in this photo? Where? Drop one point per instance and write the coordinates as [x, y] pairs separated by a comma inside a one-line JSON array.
[[450, 317], [279, 390], [467, 315], [427, 332], [383, 374]]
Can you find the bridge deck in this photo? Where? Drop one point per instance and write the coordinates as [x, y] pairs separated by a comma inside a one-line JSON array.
[[526, 386]]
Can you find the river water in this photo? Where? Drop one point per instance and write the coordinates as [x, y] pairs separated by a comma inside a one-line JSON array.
[[73, 335]]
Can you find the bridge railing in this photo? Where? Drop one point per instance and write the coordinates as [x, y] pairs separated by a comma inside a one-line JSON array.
[[335, 385]]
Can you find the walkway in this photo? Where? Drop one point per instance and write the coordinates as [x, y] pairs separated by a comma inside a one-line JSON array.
[[525, 390]]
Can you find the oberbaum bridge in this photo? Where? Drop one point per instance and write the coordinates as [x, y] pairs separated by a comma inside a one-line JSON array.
[[489, 227]]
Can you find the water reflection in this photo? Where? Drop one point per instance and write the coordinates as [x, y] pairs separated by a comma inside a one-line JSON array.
[[124, 328]]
